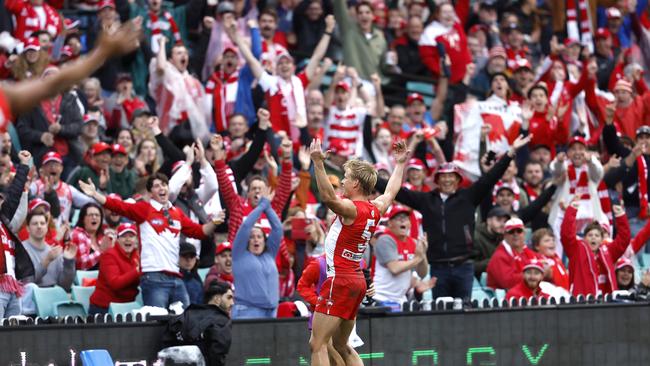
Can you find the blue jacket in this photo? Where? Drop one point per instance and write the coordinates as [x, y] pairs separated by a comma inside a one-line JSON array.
[[256, 276]]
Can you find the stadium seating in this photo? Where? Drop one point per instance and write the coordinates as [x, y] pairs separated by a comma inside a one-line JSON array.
[[81, 294], [80, 275], [96, 357], [203, 273], [49, 299], [123, 308]]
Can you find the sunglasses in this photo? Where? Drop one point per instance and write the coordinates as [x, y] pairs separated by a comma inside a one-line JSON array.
[[165, 213]]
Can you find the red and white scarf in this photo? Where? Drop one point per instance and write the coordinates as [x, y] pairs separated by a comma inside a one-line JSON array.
[[531, 192], [515, 189], [8, 282], [642, 171], [217, 87], [580, 186], [157, 27], [581, 31]]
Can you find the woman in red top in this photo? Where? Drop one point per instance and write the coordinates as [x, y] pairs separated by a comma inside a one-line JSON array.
[[119, 272], [543, 241]]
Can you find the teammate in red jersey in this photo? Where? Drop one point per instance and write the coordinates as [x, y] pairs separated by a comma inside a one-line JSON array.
[[347, 239]]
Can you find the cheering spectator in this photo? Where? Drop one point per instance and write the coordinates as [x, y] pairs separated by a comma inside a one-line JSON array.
[[632, 111], [487, 237], [119, 272], [309, 25], [189, 263], [398, 257], [32, 16], [53, 265], [29, 63], [97, 168], [506, 265], [53, 125], [222, 269], [253, 254], [591, 260], [89, 236], [122, 178], [624, 274], [160, 225], [121, 105], [528, 286], [543, 242]]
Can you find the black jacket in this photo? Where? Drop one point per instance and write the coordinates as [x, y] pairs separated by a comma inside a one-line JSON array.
[[205, 326], [32, 125], [450, 224]]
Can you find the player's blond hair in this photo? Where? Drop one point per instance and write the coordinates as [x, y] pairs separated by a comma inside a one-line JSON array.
[[364, 172]]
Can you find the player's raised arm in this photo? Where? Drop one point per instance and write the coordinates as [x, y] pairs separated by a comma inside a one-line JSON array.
[[342, 207], [401, 155]]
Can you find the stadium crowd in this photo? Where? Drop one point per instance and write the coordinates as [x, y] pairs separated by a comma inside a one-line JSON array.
[[186, 161]]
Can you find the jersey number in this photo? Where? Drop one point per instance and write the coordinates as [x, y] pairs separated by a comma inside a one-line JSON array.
[[366, 235]]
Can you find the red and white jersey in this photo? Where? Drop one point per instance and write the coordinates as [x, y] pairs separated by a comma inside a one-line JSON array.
[[68, 195], [5, 112], [345, 244], [346, 125], [30, 18]]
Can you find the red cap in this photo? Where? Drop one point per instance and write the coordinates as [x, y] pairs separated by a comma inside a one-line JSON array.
[[118, 149], [577, 140], [498, 51], [230, 48], [32, 43], [281, 55], [106, 4], [100, 147], [523, 63], [222, 247], [413, 97], [613, 13], [37, 202], [448, 168], [340, 147], [343, 85], [513, 224], [397, 209], [114, 196], [90, 118], [52, 156], [570, 42], [415, 163], [70, 24], [126, 227], [534, 263], [66, 51], [623, 262], [602, 33], [477, 28], [177, 165]]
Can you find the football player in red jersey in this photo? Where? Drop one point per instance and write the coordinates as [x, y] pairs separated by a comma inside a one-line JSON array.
[[356, 221]]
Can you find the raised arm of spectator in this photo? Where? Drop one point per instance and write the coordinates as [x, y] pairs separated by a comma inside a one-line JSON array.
[[20, 215], [171, 153], [622, 240], [380, 107], [253, 63], [595, 168], [242, 166], [180, 177], [275, 237], [308, 282], [240, 243], [209, 186], [283, 190], [321, 47], [316, 80], [161, 56], [568, 229], [438, 103], [528, 213], [15, 190], [339, 74], [53, 199], [401, 155], [642, 237], [134, 211], [342, 15], [228, 192], [483, 186]]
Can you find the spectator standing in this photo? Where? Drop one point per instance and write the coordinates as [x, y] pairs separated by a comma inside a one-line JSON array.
[[591, 260], [96, 169], [32, 16], [543, 242], [533, 274], [160, 225], [188, 263], [121, 177], [487, 237], [254, 268], [119, 272], [506, 265]]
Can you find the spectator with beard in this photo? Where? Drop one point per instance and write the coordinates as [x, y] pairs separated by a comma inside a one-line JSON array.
[[188, 264], [112, 219], [533, 274], [222, 269], [523, 77], [274, 42], [89, 236], [487, 237], [97, 168], [119, 272]]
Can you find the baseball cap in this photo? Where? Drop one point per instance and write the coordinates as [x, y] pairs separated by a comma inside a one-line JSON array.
[[623, 262], [32, 43], [52, 156], [534, 263], [571, 42], [396, 210], [415, 163], [447, 168], [498, 51], [413, 97], [340, 147], [523, 63], [222, 247], [613, 12], [623, 84], [602, 33], [643, 130], [187, 249], [498, 211], [100, 147], [126, 227], [343, 85], [225, 7], [282, 55], [505, 186], [90, 118], [106, 4], [229, 49], [142, 112], [123, 76], [37, 202], [577, 140], [118, 149], [513, 223]]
